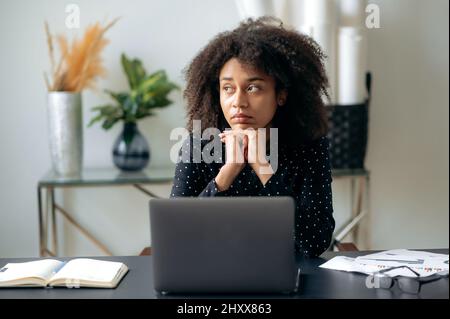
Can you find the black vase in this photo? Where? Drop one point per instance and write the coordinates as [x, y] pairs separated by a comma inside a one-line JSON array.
[[131, 151]]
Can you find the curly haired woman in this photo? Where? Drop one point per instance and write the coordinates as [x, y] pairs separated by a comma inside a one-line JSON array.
[[263, 76]]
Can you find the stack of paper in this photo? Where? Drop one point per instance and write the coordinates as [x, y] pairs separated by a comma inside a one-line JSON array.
[[424, 263]]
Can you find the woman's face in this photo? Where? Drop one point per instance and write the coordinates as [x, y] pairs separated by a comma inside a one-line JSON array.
[[247, 96]]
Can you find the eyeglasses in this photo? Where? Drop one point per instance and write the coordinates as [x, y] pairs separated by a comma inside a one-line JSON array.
[[409, 285]]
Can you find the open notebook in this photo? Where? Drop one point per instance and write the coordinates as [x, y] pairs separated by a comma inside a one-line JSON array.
[[79, 272]]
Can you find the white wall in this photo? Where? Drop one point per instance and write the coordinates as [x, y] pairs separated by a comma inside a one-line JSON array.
[[408, 142], [164, 34], [408, 148]]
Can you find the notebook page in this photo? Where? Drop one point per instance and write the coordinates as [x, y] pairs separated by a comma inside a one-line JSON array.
[[38, 268], [89, 270]]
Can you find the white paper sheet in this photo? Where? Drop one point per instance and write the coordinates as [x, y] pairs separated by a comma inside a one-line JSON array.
[[422, 262]]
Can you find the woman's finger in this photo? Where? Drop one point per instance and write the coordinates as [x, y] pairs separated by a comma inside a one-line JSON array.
[[245, 138], [233, 132]]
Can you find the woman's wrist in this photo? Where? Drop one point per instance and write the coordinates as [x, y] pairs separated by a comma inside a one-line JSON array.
[[222, 182], [225, 177]]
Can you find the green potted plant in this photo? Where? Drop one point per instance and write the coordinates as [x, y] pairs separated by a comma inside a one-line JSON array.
[[147, 93]]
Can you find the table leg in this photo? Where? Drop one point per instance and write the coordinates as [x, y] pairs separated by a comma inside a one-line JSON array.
[[358, 208], [146, 191], [41, 223], [83, 230], [48, 211], [43, 220], [367, 209], [357, 215], [353, 212], [53, 216]]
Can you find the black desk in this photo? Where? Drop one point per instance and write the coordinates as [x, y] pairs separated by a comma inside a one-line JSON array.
[[314, 283]]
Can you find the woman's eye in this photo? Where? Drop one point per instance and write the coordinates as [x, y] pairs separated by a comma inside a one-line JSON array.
[[253, 88], [228, 89]]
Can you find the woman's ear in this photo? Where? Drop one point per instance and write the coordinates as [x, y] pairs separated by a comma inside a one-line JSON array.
[[281, 97]]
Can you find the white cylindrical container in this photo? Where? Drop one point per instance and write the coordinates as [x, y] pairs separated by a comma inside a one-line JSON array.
[[254, 8], [352, 65], [65, 129], [352, 13], [320, 22], [324, 35], [281, 10], [317, 12]]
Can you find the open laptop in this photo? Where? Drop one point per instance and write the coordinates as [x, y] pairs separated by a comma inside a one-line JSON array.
[[223, 245]]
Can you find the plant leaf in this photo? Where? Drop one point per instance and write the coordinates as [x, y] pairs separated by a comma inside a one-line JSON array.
[[109, 122], [144, 114], [134, 70], [158, 101], [118, 97], [109, 113], [95, 119], [152, 80], [140, 71], [128, 69]]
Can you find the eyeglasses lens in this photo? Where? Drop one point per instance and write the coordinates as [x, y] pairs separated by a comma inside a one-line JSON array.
[[385, 282], [409, 285]]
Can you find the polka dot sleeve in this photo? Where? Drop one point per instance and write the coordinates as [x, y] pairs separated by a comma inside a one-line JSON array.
[[189, 178], [315, 217]]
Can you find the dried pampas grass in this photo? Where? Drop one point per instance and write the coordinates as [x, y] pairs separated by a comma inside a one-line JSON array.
[[80, 63]]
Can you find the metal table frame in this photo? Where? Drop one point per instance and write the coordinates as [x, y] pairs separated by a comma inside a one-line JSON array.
[[47, 211], [359, 202]]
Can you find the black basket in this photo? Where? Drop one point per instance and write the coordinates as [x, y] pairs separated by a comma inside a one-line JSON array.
[[348, 127]]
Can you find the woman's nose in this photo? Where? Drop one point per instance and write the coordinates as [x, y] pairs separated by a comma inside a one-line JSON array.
[[240, 100]]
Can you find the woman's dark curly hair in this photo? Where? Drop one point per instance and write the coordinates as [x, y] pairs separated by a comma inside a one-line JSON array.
[[294, 60]]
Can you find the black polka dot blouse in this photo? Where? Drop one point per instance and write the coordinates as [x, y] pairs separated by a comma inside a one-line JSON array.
[[303, 173]]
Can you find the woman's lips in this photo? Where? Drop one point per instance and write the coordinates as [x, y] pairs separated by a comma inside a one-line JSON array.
[[243, 119]]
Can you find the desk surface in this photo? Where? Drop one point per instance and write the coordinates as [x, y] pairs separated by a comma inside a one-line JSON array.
[[314, 283]]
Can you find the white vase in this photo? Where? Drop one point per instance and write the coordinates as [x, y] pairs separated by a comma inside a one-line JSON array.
[[64, 115]]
